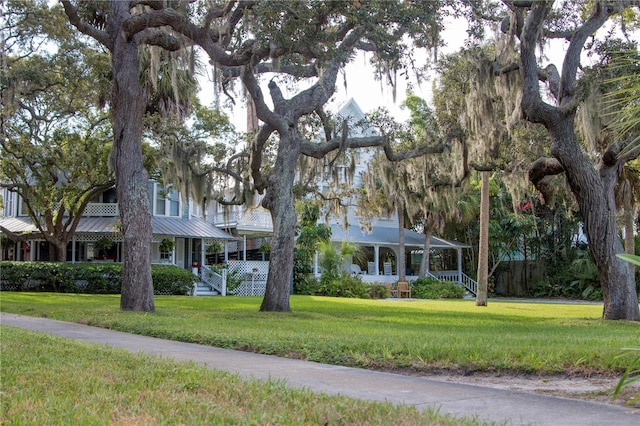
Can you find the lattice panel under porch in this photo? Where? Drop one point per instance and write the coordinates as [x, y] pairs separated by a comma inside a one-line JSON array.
[[257, 288]]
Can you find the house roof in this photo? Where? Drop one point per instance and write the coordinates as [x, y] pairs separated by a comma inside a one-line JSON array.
[[385, 236], [177, 227]]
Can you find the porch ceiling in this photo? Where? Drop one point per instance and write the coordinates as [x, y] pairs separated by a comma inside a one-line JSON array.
[[383, 236]]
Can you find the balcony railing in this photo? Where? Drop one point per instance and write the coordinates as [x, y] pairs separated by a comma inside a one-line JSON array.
[[250, 218], [101, 210]]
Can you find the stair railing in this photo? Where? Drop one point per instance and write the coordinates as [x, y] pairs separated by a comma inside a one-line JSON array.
[[216, 281]]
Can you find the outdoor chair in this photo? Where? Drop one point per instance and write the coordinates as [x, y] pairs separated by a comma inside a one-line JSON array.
[[387, 268], [371, 268], [403, 288]]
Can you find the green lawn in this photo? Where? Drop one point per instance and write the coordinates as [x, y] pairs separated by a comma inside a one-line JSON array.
[[48, 380], [417, 335]]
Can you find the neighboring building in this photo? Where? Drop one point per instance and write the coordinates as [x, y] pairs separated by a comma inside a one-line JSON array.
[[180, 233]]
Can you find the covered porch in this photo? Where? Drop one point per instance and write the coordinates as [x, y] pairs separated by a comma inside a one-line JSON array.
[[382, 250]]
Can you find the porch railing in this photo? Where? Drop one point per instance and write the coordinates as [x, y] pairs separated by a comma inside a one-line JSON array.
[[470, 284], [101, 210], [217, 282], [457, 277]]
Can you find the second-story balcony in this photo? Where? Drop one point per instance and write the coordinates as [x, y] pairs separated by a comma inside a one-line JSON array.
[[248, 222]]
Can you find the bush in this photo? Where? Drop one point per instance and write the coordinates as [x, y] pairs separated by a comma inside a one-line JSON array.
[[344, 285], [306, 285], [170, 279], [430, 288], [378, 291], [92, 278]]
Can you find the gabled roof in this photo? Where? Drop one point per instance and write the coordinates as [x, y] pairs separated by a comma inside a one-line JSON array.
[[385, 236], [177, 227]]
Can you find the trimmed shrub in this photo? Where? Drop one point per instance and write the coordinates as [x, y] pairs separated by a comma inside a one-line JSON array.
[[378, 291], [344, 285], [92, 278], [430, 288], [170, 279]]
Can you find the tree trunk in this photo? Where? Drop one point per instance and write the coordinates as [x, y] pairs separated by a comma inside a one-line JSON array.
[[593, 189], [128, 104], [426, 252], [483, 247], [279, 201], [401, 263], [60, 252], [629, 232], [595, 195]]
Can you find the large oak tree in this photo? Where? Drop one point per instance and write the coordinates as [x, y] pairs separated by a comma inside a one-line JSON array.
[[310, 43], [116, 26], [593, 185]]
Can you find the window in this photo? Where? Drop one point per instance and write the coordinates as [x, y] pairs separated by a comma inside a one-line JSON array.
[[8, 197], [167, 203]]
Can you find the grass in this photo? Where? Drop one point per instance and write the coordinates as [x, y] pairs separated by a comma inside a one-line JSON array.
[[413, 336], [47, 380]]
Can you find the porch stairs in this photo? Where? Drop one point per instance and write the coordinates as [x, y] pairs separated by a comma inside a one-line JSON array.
[[211, 283], [203, 289]]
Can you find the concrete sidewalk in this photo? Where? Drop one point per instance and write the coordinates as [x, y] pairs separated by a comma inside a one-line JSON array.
[[486, 404]]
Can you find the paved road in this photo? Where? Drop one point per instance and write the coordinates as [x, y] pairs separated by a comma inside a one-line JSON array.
[[488, 404]]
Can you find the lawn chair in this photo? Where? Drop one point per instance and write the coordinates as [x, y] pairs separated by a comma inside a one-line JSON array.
[[403, 288], [371, 268]]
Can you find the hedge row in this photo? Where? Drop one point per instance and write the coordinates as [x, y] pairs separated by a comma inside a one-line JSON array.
[[93, 278]]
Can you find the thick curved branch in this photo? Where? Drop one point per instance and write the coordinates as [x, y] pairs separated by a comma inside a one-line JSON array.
[[21, 237], [255, 161], [161, 18], [158, 37], [101, 36], [320, 150], [540, 171], [533, 108], [484, 167], [262, 110], [417, 152], [599, 16], [306, 71], [326, 123], [153, 4]]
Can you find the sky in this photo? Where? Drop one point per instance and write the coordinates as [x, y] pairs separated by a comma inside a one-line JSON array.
[[370, 94]]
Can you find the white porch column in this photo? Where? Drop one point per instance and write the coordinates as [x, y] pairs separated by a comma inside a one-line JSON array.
[[73, 249], [315, 264], [244, 248], [459, 250], [376, 257], [226, 253]]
